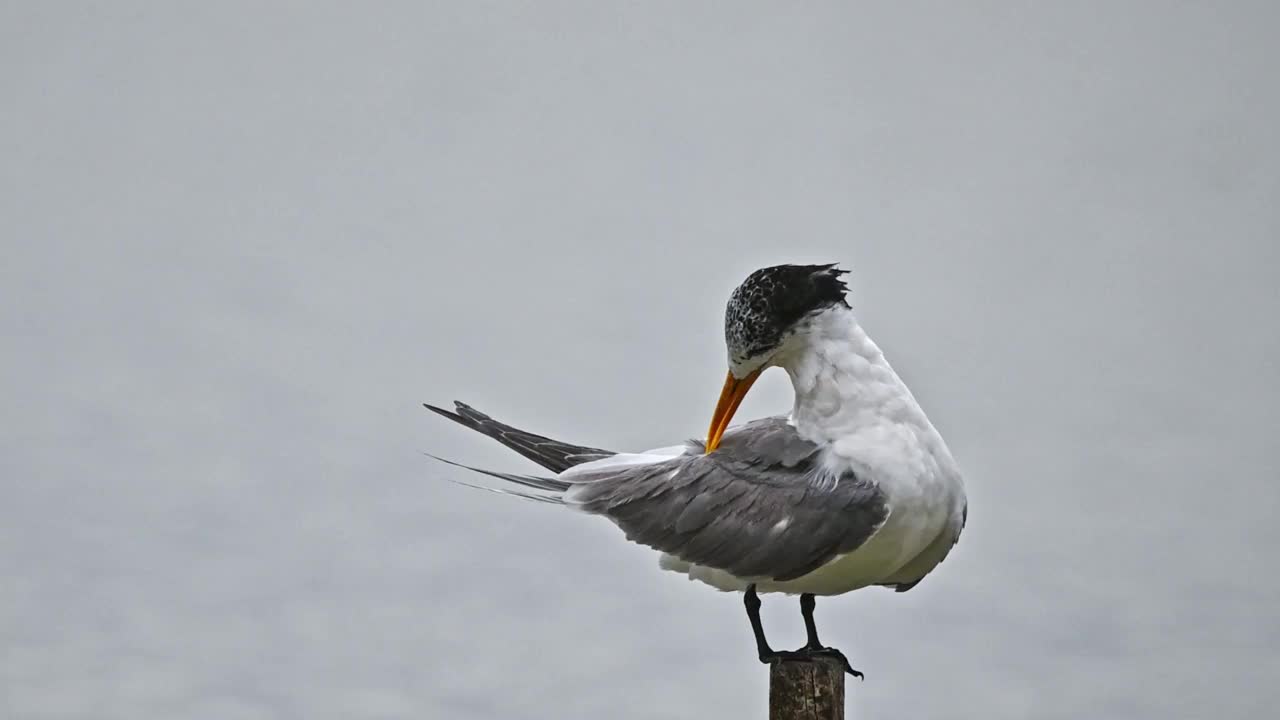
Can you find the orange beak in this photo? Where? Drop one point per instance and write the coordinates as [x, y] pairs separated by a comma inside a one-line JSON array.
[[730, 398]]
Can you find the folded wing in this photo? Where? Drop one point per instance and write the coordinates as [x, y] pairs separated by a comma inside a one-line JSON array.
[[756, 507], [759, 506]]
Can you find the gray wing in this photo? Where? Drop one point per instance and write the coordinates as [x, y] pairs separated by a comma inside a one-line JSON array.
[[551, 454], [750, 508]]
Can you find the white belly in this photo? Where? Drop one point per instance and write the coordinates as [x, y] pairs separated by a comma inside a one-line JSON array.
[[904, 550]]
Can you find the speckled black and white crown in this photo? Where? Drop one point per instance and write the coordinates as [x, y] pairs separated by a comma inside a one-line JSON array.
[[770, 302]]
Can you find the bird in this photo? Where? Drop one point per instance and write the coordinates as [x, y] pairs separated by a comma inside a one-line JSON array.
[[854, 488]]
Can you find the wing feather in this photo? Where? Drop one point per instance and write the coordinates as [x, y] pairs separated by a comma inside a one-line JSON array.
[[749, 508]]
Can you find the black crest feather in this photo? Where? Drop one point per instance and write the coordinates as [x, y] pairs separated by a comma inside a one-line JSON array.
[[772, 300]]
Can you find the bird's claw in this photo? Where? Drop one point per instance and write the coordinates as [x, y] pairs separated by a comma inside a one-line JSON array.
[[836, 655], [808, 653]]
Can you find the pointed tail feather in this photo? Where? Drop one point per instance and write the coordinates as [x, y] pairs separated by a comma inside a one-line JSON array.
[[551, 454], [553, 499], [550, 485]]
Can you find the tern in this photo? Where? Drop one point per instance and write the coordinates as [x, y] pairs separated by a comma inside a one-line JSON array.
[[855, 488]]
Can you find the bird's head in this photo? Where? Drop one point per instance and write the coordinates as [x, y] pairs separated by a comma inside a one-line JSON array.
[[765, 316]]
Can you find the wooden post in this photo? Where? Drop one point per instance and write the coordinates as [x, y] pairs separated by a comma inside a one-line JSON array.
[[806, 690]]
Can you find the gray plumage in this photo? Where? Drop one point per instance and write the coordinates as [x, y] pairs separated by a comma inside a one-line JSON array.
[[755, 508]]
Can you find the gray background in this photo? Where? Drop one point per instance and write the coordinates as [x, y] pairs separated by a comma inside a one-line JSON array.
[[243, 242]]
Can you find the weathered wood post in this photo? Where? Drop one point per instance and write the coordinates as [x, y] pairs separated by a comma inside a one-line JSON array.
[[806, 690]]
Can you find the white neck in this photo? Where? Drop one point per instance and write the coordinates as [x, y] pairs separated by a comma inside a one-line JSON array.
[[842, 381]]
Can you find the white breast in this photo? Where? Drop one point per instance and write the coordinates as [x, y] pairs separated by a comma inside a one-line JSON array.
[[849, 399]]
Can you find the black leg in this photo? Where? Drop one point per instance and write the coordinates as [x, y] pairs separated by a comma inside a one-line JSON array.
[[812, 645], [812, 649], [807, 604], [752, 601]]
